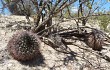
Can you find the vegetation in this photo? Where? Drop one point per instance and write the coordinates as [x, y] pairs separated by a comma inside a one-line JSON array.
[[104, 21], [45, 10]]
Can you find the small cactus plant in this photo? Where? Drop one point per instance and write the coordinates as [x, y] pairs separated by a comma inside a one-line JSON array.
[[24, 46], [94, 41]]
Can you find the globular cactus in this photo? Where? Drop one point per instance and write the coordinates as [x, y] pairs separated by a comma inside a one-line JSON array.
[[94, 41], [24, 46]]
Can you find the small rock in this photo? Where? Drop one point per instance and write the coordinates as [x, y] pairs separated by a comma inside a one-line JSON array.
[[16, 26]]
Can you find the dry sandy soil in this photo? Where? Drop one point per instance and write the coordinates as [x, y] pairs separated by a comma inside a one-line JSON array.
[[51, 59]]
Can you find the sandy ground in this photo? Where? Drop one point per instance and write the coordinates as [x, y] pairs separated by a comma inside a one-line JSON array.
[[50, 59]]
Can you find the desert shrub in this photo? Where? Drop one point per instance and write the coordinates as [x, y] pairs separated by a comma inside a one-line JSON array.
[[104, 21]]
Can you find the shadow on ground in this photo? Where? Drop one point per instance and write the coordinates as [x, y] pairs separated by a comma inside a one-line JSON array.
[[39, 60]]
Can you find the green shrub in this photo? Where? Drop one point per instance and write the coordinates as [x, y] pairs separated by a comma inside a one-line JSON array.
[[104, 21]]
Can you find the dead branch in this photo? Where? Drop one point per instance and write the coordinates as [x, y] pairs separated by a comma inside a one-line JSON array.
[[35, 29], [35, 2], [65, 5]]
